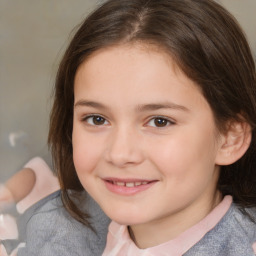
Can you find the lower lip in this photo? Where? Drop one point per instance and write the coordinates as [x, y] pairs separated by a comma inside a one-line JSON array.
[[127, 191]]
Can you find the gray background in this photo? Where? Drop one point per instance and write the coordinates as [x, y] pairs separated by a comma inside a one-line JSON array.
[[33, 35]]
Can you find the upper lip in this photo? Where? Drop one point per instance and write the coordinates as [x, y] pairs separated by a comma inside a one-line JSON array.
[[127, 180]]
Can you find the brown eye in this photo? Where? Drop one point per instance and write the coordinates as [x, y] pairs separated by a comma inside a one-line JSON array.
[[98, 120], [95, 120], [160, 122]]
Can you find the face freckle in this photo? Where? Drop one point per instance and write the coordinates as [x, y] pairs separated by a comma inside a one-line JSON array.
[[155, 149]]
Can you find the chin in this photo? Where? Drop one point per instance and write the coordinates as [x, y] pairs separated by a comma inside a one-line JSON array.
[[127, 218], [126, 221], [125, 214]]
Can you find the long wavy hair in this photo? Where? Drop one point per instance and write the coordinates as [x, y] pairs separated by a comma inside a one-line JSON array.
[[207, 44]]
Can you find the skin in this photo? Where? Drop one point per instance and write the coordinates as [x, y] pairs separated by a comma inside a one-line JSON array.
[[138, 118]]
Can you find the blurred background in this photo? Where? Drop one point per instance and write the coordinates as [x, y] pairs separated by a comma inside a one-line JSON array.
[[33, 36]]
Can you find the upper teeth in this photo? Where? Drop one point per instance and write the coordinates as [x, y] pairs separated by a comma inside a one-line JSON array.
[[130, 184]]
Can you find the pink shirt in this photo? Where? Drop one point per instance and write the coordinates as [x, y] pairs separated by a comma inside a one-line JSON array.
[[119, 242]]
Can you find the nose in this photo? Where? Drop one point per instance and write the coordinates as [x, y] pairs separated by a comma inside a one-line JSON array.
[[124, 148]]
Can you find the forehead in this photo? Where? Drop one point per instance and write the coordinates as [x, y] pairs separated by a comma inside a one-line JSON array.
[[144, 55], [140, 72], [134, 48]]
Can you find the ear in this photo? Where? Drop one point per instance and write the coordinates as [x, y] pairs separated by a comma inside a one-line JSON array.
[[234, 142]]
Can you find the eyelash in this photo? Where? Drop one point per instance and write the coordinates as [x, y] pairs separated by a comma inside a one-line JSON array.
[[86, 118], [166, 121]]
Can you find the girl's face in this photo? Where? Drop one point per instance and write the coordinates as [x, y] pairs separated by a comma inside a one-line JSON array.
[[144, 139]]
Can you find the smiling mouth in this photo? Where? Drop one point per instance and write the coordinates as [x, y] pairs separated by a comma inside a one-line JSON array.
[[127, 187], [129, 184]]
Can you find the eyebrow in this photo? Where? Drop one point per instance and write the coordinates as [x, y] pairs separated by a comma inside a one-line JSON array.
[[157, 106], [139, 108], [86, 103]]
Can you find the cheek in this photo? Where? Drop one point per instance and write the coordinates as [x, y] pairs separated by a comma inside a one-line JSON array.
[[170, 153], [184, 154], [86, 153]]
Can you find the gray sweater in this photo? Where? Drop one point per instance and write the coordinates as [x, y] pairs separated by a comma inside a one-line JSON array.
[[234, 235], [49, 230]]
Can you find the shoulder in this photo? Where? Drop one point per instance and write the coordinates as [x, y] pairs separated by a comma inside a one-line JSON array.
[[235, 234], [237, 230], [48, 226], [240, 226], [244, 222]]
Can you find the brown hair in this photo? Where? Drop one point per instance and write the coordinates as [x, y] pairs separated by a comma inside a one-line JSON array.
[[207, 44]]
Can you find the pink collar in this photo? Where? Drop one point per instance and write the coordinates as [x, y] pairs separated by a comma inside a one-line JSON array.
[[119, 242]]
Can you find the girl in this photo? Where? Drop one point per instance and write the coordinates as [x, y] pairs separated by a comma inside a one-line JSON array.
[[154, 116], [156, 101]]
